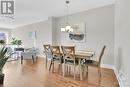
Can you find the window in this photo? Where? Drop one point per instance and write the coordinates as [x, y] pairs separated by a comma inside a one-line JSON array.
[[4, 36]]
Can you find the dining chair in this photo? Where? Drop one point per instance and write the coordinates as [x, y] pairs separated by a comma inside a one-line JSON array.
[[18, 51], [48, 52], [56, 58], [96, 63], [69, 58], [14, 55], [28, 54]]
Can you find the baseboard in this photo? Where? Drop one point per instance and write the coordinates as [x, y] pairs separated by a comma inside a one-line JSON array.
[[107, 66], [120, 77], [41, 56]]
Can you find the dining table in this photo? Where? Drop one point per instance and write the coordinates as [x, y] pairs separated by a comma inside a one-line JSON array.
[[80, 55]]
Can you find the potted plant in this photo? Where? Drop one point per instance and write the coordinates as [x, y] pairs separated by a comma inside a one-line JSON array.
[[16, 42], [2, 42], [3, 58]]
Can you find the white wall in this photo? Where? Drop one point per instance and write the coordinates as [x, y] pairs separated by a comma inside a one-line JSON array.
[[44, 34], [122, 41], [54, 30], [99, 31]]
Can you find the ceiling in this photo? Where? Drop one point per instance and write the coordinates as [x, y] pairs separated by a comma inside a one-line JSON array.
[[31, 11]]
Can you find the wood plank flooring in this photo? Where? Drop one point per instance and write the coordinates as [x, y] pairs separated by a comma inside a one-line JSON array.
[[36, 75]]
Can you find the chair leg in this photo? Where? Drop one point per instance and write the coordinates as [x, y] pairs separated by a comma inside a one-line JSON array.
[[33, 58], [46, 61], [21, 59], [50, 65], [69, 70], [63, 69], [60, 68], [80, 70], [87, 69], [99, 71], [53, 67], [74, 72]]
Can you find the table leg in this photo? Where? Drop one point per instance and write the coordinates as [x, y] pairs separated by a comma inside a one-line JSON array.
[[81, 76], [46, 61]]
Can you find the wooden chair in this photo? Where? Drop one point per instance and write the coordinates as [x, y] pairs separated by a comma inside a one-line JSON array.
[[96, 63], [57, 57], [48, 52], [69, 58]]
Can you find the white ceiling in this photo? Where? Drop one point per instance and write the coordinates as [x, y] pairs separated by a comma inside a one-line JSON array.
[[31, 11]]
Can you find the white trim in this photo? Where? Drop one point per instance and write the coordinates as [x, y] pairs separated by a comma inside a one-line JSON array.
[[107, 66], [120, 77], [41, 56], [117, 75]]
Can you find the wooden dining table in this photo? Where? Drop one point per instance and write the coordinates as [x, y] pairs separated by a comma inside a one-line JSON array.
[[79, 55], [84, 54]]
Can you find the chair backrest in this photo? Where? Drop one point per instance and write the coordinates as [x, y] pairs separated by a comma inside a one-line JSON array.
[[19, 49], [68, 52], [48, 50], [56, 49], [101, 54]]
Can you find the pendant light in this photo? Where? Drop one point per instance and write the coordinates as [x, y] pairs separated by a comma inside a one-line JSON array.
[[67, 28]]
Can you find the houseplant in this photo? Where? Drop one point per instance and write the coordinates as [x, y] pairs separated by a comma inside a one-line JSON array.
[[16, 41], [2, 42], [3, 58]]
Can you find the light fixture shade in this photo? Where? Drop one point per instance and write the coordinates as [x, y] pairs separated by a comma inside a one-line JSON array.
[[63, 30], [71, 30], [68, 27]]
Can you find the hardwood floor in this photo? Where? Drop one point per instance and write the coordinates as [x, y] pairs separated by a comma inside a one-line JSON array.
[[35, 75]]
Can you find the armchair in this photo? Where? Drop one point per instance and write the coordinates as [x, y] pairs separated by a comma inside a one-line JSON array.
[[30, 53]]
